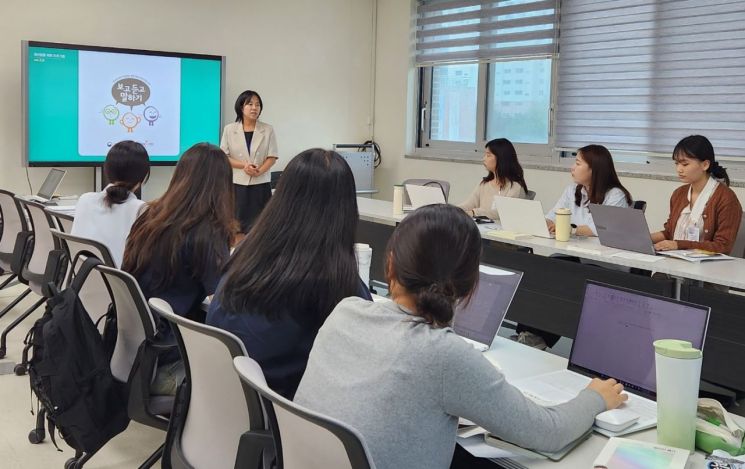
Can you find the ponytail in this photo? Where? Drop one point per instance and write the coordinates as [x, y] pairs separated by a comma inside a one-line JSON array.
[[719, 172], [436, 302], [117, 193]]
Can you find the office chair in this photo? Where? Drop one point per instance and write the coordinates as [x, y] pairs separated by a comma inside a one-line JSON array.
[[738, 249], [40, 261], [303, 438], [205, 433], [531, 195], [640, 205], [13, 224], [134, 359]]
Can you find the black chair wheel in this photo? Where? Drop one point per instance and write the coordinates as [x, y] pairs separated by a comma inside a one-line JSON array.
[[19, 369], [36, 436], [2, 352], [71, 463]]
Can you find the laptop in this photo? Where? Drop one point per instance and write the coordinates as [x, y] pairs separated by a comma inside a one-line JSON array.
[[423, 195], [478, 321], [617, 327], [622, 228], [522, 216], [49, 187]]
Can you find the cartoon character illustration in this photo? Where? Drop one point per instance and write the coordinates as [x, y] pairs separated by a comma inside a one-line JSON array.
[[130, 121], [151, 115], [110, 112]]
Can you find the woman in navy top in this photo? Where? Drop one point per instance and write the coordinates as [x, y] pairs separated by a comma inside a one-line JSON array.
[[294, 266], [178, 246]]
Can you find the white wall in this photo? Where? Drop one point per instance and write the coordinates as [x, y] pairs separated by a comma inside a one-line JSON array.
[[310, 61], [395, 102]]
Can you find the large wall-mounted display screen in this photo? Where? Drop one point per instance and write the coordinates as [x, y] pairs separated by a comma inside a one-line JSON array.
[[80, 100]]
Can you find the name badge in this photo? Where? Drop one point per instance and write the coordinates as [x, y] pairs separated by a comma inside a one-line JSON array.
[[692, 233]]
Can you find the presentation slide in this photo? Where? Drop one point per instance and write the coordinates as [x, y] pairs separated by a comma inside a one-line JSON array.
[[80, 102]]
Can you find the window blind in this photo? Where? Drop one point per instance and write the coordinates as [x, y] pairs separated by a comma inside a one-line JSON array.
[[450, 31], [639, 75]]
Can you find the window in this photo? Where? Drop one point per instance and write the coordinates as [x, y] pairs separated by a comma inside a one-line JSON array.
[[485, 72]]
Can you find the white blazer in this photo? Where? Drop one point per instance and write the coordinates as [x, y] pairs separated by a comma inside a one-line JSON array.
[[263, 146]]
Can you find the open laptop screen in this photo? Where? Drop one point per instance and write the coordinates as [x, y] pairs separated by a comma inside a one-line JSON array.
[[51, 183], [481, 318], [616, 330]]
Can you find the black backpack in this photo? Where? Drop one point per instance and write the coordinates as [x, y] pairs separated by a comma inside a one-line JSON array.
[[70, 373]]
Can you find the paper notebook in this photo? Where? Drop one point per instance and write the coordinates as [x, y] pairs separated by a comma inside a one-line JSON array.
[[696, 255]]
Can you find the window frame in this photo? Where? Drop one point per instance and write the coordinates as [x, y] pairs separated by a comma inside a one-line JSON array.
[[472, 151]]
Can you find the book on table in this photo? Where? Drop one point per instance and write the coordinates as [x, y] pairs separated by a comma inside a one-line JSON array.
[[696, 255]]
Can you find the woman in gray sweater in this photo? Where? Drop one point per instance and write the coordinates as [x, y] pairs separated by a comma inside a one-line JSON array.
[[397, 373]]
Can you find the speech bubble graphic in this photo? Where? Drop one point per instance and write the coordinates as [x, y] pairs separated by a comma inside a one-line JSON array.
[[130, 91]]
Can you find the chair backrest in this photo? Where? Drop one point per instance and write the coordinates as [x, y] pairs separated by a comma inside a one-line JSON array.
[[531, 195], [738, 250], [444, 185], [14, 222], [64, 220], [640, 205], [93, 295], [134, 321], [44, 243], [220, 408], [306, 439]]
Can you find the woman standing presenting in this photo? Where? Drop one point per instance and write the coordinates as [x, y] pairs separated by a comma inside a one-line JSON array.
[[252, 149]]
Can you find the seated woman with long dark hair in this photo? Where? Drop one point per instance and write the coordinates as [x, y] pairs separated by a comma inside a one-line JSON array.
[[505, 179], [294, 266], [178, 246]]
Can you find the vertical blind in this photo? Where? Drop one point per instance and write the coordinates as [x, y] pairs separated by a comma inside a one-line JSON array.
[[639, 75], [449, 31]]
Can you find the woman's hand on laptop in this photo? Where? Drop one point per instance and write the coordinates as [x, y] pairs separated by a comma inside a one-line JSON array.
[[610, 391], [551, 226], [666, 245]]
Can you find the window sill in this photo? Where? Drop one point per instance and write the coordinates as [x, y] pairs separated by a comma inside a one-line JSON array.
[[661, 170]]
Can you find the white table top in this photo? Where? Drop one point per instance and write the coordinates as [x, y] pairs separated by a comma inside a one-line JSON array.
[[519, 361], [730, 273]]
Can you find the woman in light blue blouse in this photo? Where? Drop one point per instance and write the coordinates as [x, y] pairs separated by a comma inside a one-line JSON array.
[[595, 182]]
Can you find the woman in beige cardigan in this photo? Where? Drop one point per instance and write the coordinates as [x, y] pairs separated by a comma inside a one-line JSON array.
[[252, 149], [505, 179]]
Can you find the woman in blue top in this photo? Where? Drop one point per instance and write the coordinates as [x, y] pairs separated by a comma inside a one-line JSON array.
[[294, 266]]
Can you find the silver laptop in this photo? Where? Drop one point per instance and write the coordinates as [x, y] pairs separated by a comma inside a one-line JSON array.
[[49, 187], [478, 321], [622, 228], [522, 216], [617, 327], [423, 195]]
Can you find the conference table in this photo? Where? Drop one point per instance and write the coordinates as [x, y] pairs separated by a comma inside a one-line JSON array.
[[552, 289], [727, 273], [518, 361]]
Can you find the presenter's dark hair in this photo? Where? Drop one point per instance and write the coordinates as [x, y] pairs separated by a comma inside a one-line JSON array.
[[508, 167], [604, 176], [298, 259], [434, 255], [700, 148], [244, 99], [127, 164], [197, 203]]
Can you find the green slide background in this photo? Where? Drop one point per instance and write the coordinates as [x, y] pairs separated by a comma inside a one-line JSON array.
[[53, 106]]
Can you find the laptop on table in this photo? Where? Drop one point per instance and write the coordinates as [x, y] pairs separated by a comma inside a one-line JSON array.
[[423, 195], [49, 187], [479, 321], [522, 216], [622, 228], [617, 327]]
